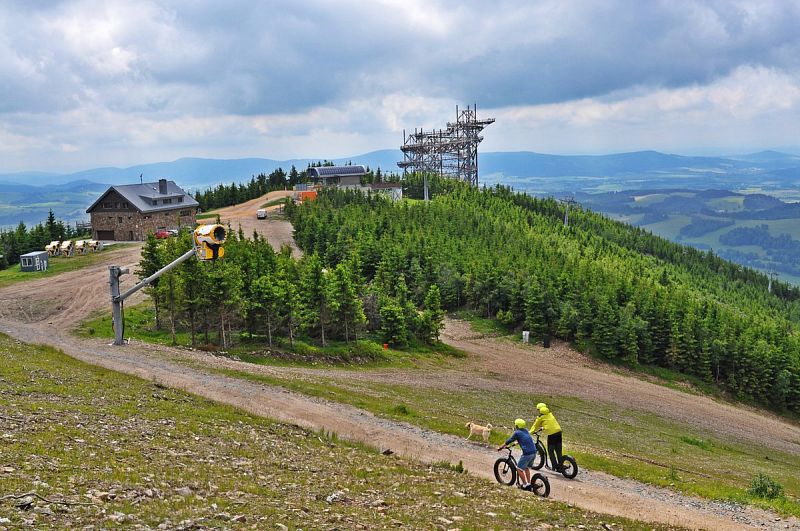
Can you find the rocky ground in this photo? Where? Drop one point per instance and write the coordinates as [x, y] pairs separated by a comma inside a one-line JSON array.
[[86, 448]]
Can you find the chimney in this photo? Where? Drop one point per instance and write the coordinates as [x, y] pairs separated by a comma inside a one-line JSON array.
[[162, 186]]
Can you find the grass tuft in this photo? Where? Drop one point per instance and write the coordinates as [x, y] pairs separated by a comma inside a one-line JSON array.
[[700, 443], [763, 486]]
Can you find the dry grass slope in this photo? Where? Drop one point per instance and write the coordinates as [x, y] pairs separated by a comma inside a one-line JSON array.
[[83, 446]]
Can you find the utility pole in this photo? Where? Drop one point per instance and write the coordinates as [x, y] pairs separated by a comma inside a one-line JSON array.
[[569, 200], [772, 276]]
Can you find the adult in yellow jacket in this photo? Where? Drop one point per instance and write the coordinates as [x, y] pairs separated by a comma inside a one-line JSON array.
[[552, 429]]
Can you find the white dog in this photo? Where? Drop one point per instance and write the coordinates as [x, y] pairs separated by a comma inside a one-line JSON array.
[[476, 429]]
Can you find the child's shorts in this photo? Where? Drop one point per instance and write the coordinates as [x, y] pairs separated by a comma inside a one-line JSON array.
[[525, 460]]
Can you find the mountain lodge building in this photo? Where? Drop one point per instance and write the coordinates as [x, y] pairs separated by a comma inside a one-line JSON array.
[[129, 212]]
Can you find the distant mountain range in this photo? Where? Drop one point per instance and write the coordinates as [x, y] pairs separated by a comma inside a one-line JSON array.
[[27, 196], [194, 173]]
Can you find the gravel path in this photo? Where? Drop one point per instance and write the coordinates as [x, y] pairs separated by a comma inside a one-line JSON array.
[[39, 312], [591, 490]]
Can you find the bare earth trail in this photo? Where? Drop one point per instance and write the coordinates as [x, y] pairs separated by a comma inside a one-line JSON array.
[[44, 311], [277, 232]]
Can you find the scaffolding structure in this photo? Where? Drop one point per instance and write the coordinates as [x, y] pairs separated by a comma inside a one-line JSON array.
[[451, 152]]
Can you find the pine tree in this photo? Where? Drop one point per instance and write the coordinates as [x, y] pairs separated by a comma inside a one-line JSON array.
[[315, 295], [627, 334], [432, 316], [52, 228], [604, 327], [151, 262], [194, 283], [268, 295], [394, 327], [535, 320], [348, 309]]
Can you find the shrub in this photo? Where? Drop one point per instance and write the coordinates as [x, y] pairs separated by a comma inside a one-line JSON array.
[[401, 409], [304, 349], [763, 486], [447, 465], [700, 443], [506, 318]]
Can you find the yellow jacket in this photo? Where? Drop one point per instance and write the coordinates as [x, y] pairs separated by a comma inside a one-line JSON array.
[[545, 420]]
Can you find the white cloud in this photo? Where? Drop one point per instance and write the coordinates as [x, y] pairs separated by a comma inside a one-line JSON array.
[[755, 107], [89, 82]]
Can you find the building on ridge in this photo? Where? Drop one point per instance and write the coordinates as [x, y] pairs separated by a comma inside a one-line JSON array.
[[337, 175], [129, 212]]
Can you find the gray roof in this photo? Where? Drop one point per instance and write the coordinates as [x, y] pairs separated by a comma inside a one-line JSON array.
[[141, 197], [336, 171], [32, 254]]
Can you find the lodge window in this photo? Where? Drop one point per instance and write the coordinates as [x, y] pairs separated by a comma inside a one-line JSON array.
[[108, 205], [27, 262], [180, 200], [186, 212], [119, 219], [167, 201], [124, 205]]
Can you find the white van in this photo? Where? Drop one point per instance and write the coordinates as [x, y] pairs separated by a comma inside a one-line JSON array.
[[261, 213]]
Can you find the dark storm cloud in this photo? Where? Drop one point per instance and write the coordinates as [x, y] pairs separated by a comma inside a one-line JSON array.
[[283, 57], [115, 80], [610, 47]]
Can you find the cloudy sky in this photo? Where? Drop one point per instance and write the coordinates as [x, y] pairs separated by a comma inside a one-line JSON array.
[[92, 83]]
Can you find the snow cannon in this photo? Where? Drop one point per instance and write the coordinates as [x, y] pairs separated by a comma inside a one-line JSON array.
[[52, 248], [67, 248], [208, 240]]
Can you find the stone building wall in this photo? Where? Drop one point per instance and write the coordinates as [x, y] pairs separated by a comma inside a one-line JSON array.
[[132, 225]]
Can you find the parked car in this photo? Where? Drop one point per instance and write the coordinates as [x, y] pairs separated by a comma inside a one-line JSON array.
[[162, 233], [261, 213]]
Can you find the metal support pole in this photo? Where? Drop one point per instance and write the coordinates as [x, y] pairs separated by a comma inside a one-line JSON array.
[[166, 269], [114, 272]]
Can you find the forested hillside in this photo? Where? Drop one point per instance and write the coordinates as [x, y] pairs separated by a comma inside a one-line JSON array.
[[614, 290]]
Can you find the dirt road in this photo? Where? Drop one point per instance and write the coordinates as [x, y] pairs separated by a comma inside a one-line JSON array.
[[32, 314], [277, 231]]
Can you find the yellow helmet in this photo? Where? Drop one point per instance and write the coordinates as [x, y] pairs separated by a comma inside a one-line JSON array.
[[519, 423]]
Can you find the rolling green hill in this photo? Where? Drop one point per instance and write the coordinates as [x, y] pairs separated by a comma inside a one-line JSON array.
[[755, 230], [612, 289]]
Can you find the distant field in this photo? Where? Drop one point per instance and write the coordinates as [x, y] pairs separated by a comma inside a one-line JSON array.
[[649, 199], [670, 227], [694, 217], [727, 204]]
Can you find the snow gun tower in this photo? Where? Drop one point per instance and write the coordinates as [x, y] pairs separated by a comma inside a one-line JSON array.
[[450, 152], [208, 240]]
